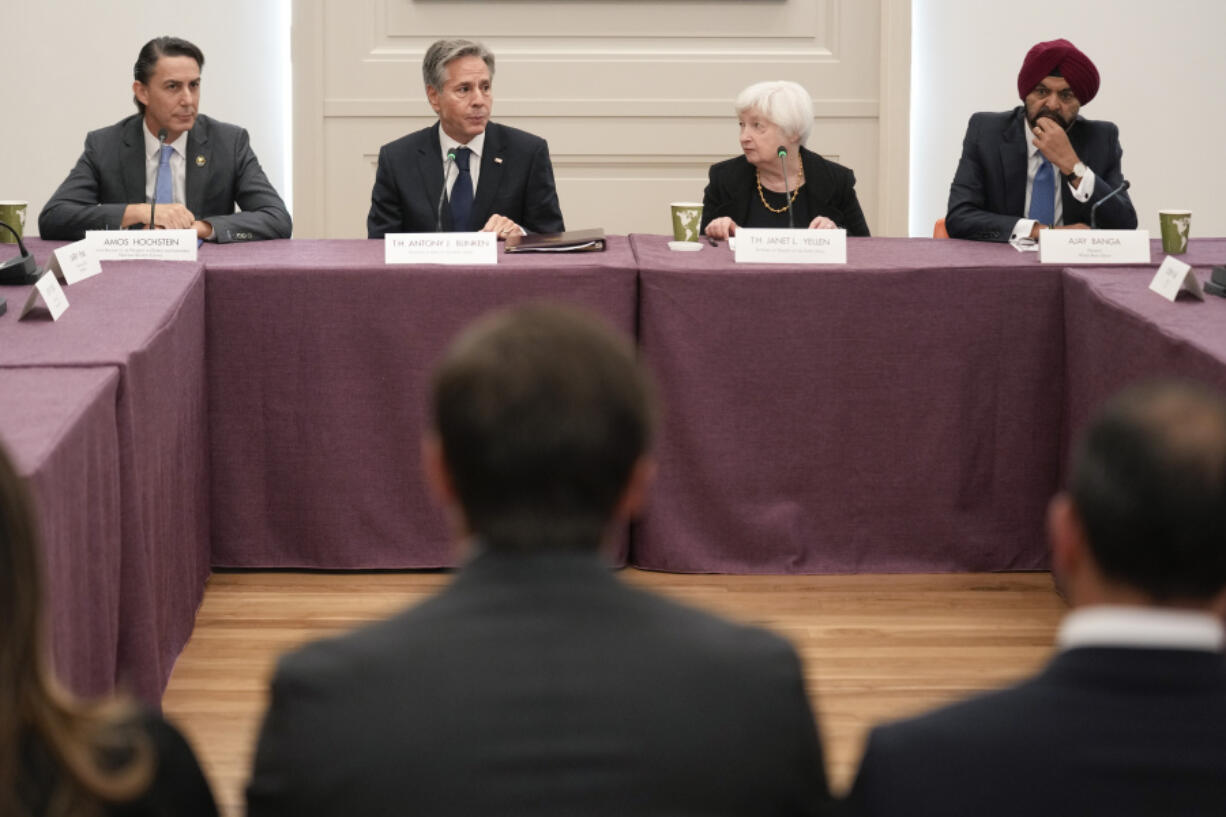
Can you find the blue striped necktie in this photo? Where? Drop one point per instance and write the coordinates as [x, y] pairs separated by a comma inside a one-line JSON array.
[[1043, 194], [164, 194]]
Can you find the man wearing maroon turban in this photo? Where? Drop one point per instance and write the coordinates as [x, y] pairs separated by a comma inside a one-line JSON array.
[[1040, 165]]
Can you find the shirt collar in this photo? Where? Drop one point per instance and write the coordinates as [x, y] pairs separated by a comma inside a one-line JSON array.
[[151, 142], [1028, 136], [476, 144], [1141, 627]]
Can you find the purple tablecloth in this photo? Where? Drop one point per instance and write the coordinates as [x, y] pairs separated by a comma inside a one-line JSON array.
[[319, 362], [887, 415], [147, 319], [59, 427]]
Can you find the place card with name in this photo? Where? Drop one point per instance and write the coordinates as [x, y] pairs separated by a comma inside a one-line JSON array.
[[791, 246], [48, 291], [1094, 246], [1173, 277], [75, 262], [440, 248], [136, 245]]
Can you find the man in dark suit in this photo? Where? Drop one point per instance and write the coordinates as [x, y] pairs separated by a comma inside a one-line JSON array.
[[498, 179], [206, 167], [538, 683], [1041, 165], [1128, 717]]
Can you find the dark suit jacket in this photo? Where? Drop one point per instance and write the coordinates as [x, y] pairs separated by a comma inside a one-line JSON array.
[[988, 194], [830, 190], [111, 175], [540, 685], [516, 181], [1101, 731]]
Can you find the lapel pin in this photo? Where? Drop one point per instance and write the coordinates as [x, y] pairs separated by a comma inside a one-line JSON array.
[[200, 160], [497, 160]]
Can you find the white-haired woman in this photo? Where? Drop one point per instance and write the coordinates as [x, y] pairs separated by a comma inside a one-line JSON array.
[[749, 191]]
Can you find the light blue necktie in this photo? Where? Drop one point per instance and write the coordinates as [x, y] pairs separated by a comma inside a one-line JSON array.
[[164, 194], [462, 192], [1043, 194]]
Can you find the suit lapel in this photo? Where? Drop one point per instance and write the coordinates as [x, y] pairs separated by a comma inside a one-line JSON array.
[[196, 174], [133, 161], [491, 174], [1013, 155], [430, 171]]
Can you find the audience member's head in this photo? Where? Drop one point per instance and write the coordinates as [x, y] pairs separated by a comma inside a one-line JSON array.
[[35, 714], [542, 419], [1147, 499]]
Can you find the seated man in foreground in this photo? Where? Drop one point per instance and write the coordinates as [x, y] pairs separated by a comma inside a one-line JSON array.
[[206, 166], [1042, 164], [1128, 717], [538, 683]]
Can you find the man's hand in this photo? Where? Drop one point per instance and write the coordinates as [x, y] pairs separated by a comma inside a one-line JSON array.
[[1052, 141], [203, 229], [721, 228], [166, 217], [502, 226], [1034, 231]]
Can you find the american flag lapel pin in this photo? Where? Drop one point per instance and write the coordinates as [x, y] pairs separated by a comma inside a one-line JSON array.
[[497, 160]]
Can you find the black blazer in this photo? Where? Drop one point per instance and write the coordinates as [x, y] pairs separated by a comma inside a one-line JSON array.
[[988, 194], [110, 175], [830, 190], [516, 181], [540, 685], [1101, 731]]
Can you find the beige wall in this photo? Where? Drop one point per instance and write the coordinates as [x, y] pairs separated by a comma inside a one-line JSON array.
[[635, 98]]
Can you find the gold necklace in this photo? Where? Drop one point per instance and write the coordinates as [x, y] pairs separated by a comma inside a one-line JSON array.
[[784, 208]]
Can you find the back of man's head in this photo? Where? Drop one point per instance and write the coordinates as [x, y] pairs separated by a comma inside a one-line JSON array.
[[1149, 485], [542, 414]]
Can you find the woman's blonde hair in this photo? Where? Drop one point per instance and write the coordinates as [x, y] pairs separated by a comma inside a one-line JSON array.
[[99, 756]]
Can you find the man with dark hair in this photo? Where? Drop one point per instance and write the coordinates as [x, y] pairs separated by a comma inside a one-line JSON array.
[[1128, 717], [195, 168], [497, 179], [1041, 165], [537, 683]]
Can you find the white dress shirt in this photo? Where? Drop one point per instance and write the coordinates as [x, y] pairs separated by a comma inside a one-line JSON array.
[[1141, 627], [476, 145], [178, 165], [1081, 192]]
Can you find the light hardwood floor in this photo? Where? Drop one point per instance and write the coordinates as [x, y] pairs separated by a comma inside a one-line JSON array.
[[875, 647]]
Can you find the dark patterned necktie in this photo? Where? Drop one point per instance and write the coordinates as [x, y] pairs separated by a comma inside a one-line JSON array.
[[462, 193]]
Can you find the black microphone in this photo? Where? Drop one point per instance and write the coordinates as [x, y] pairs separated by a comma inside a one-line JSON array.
[[21, 269], [787, 193], [442, 194], [157, 177], [1094, 209]]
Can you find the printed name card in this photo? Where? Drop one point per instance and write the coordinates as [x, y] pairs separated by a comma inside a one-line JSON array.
[[440, 248], [75, 262], [1094, 246], [135, 245], [47, 291], [791, 246], [1173, 277]]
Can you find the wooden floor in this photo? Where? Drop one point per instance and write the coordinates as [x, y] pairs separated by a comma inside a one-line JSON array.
[[875, 647]]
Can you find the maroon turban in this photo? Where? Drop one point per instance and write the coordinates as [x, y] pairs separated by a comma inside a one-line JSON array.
[[1060, 58]]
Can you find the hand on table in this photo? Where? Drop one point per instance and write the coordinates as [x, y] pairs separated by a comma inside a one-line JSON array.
[[721, 228], [502, 226]]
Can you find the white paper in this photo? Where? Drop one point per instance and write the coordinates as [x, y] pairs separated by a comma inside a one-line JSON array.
[[440, 248], [1173, 277], [48, 291], [1094, 247], [74, 263], [133, 245], [791, 246]]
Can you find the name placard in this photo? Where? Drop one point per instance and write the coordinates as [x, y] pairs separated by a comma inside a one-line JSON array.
[[1094, 246], [48, 291], [1173, 277], [791, 246], [440, 248], [135, 245], [75, 262]]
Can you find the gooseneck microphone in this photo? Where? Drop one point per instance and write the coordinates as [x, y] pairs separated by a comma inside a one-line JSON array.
[[1094, 209], [782, 151], [442, 194], [157, 177], [21, 269]]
